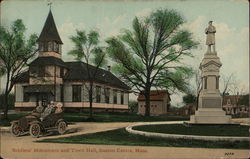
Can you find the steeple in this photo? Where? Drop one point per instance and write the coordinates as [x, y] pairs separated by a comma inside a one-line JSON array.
[[49, 39], [49, 32]]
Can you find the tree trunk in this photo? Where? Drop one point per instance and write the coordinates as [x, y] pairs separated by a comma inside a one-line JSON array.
[[91, 100], [147, 102], [6, 95], [5, 105]]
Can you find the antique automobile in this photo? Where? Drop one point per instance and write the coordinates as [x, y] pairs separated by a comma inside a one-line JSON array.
[[36, 125]]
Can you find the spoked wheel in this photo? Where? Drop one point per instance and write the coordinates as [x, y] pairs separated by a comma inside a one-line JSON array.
[[15, 129], [35, 130], [61, 127]]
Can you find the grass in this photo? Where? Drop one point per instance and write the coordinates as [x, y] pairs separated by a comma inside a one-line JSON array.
[[119, 117], [223, 130], [122, 137], [11, 117], [102, 117]]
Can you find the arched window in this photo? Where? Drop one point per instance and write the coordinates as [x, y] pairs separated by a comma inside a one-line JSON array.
[[56, 47], [45, 46], [50, 46], [41, 46], [60, 48]]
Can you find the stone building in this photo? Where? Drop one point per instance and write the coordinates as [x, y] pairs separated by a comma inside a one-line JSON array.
[[49, 78], [159, 102]]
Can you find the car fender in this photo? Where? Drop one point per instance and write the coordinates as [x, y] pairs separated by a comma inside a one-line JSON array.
[[14, 121], [59, 120], [36, 122]]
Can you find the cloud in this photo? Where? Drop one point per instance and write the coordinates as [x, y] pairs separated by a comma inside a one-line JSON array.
[[143, 13], [111, 26], [66, 30]]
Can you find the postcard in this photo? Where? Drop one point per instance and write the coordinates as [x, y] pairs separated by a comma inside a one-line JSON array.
[[124, 79]]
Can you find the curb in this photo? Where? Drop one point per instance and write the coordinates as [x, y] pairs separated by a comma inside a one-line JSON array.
[[4, 129], [177, 136]]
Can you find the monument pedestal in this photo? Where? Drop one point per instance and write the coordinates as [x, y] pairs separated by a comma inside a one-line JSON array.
[[210, 101], [210, 116]]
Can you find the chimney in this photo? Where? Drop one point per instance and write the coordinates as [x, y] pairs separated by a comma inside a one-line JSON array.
[[109, 68]]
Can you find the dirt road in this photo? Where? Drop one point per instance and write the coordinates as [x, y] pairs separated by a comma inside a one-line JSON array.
[[24, 148]]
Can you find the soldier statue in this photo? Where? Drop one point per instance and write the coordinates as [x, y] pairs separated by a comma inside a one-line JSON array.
[[210, 31]]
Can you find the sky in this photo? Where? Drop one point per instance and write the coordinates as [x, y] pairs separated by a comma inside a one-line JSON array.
[[109, 17]]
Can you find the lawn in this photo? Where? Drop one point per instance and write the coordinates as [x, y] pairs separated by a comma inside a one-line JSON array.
[[223, 130], [11, 117], [102, 117], [122, 137], [119, 117]]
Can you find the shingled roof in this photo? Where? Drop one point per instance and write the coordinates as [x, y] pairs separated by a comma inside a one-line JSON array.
[[78, 72], [49, 32], [23, 77], [48, 60]]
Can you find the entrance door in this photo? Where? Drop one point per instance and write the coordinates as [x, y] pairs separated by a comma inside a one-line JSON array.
[[44, 98]]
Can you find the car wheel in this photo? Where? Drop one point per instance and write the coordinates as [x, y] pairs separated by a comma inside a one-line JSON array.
[[35, 130], [15, 129], [61, 127]]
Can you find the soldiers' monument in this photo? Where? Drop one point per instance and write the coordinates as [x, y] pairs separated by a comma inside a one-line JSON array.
[[210, 101]]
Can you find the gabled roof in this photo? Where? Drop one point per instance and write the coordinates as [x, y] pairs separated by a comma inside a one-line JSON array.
[[49, 32], [78, 72], [155, 95], [48, 60]]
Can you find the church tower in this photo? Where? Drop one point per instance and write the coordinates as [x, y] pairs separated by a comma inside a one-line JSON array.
[[49, 41], [46, 72]]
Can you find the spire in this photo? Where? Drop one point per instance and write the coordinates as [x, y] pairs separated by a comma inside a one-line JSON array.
[[49, 32]]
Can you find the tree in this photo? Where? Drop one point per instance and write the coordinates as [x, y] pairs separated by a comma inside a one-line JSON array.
[[149, 55], [197, 87], [237, 91], [189, 99], [15, 51], [226, 85], [86, 49], [244, 100], [133, 106]]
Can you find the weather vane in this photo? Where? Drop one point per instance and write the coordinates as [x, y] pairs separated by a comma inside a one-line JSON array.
[[49, 4]]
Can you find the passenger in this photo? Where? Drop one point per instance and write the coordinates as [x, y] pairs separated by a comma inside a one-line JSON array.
[[58, 108], [48, 110]]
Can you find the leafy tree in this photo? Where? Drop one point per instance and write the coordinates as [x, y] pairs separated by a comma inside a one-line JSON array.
[[189, 99], [133, 106], [11, 100], [244, 100], [15, 51], [86, 49], [149, 56]]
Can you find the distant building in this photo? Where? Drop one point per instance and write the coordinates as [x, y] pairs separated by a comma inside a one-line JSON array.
[[232, 107], [159, 102], [49, 78]]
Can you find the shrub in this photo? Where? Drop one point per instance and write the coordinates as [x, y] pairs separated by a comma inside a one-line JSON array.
[[11, 101]]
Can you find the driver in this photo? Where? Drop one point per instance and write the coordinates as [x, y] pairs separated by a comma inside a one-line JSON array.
[[39, 109]]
